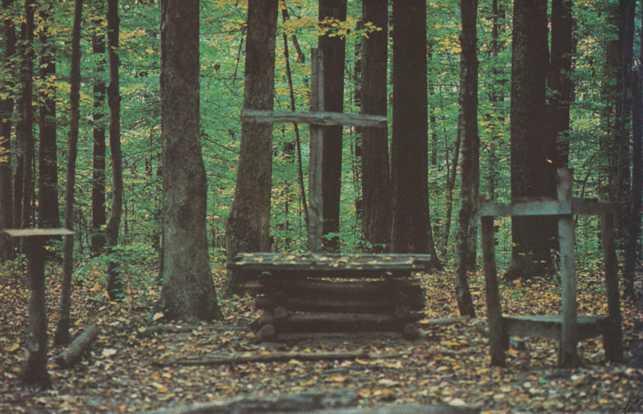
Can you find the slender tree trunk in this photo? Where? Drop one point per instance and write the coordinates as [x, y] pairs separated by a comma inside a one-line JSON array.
[[62, 330], [496, 97], [188, 291], [248, 227], [24, 131], [333, 48], [633, 244], [433, 122], [6, 114], [532, 174], [470, 153], [376, 223], [99, 215], [114, 284], [411, 230], [48, 209], [452, 175]]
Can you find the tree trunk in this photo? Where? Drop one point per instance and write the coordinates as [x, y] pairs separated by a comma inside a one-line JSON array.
[[376, 191], [99, 215], [48, 210], [188, 291], [114, 284], [452, 175], [470, 153], [532, 174], [496, 97], [6, 114], [24, 129], [633, 245], [333, 48], [411, 230], [560, 82], [248, 227], [62, 330]]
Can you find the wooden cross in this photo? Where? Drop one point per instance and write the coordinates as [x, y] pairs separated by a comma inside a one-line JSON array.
[[35, 369], [318, 119]]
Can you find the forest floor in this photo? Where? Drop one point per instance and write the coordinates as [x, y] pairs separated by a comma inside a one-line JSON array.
[[448, 366]]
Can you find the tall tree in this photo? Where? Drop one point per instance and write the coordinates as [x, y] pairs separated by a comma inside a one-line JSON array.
[[188, 291], [24, 129], [375, 155], [248, 227], [411, 230], [6, 114], [62, 330], [560, 83], [99, 215], [333, 49], [114, 287], [470, 188], [532, 174], [496, 96], [48, 211], [633, 243]]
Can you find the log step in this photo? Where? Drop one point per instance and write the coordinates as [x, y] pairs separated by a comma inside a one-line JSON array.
[[319, 303], [550, 326], [343, 322]]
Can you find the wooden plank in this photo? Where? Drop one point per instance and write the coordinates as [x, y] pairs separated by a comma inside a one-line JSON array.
[[37, 232], [545, 207], [613, 341], [342, 322], [316, 158], [331, 304], [568, 355], [550, 326], [339, 288], [317, 118], [497, 335], [275, 262]]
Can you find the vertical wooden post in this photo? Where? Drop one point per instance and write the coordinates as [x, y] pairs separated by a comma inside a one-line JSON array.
[[316, 206], [497, 336], [35, 369], [568, 356], [613, 336]]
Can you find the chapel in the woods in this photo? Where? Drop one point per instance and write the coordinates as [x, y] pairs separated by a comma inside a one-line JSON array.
[[372, 191]]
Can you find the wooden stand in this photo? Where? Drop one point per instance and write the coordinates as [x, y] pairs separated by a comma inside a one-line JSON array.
[[327, 294], [35, 369], [568, 327]]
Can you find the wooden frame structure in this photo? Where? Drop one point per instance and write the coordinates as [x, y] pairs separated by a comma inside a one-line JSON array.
[[311, 295], [568, 327], [318, 119], [35, 369]]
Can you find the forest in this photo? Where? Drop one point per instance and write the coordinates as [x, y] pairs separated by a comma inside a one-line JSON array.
[[333, 206]]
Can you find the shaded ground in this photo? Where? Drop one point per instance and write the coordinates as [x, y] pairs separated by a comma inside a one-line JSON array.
[[450, 365]]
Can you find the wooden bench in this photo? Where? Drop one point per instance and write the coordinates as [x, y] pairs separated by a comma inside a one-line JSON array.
[[322, 294]]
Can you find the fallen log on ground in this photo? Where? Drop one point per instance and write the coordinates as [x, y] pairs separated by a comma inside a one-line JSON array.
[[305, 403], [72, 354], [232, 359], [402, 409], [175, 329]]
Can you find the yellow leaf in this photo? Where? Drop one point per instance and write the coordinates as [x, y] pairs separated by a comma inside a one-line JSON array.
[[160, 387], [13, 347]]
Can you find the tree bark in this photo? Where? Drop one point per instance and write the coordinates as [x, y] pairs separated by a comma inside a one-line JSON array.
[[24, 128], [188, 291], [248, 227], [633, 245], [333, 48], [470, 188], [72, 355], [99, 215], [376, 223], [62, 330], [114, 284], [48, 209], [411, 230], [532, 174], [560, 82], [6, 114]]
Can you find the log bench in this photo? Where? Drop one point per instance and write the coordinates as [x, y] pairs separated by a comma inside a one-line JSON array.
[[325, 294]]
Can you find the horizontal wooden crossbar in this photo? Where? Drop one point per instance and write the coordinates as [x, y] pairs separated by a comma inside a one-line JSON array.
[[45, 232], [549, 326], [315, 118], [545, 207]]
